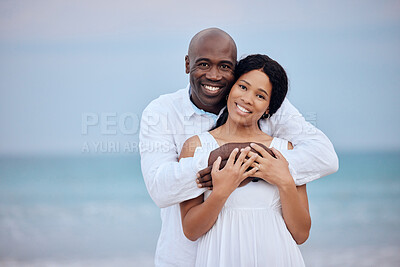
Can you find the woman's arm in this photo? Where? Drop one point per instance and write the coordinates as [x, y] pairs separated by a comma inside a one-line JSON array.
[[198, 216], [294, 199], [295, 211]]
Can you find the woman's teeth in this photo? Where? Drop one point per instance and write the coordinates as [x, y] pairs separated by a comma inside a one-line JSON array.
[[243, 109]]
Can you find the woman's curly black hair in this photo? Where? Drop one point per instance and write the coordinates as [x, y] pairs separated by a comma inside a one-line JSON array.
[[276, 74]]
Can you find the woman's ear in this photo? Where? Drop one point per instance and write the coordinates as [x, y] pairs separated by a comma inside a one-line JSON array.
[[266, 116]]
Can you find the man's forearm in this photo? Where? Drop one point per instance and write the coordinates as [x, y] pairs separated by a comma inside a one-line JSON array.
[[312, 159], [168, 182], [171, 182], [313, 155]]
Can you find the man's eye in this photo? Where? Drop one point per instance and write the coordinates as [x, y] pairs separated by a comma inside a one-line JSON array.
[[203, 64], [225, 66]]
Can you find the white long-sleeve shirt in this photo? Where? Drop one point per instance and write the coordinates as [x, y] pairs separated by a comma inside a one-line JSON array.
[[168, 121]]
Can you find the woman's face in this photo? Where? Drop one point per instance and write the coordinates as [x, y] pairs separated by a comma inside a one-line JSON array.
[[249, 97]]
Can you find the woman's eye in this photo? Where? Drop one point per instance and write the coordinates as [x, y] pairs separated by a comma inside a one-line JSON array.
[[261, 96], [242, 87]]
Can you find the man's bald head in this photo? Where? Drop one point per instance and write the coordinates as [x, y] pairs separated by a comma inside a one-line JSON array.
[[210, 63], [210, 33]]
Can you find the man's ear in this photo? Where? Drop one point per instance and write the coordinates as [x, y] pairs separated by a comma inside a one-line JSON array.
[[187, 64]]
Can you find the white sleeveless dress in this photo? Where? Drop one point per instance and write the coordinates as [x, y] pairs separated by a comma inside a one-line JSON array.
[[250, 230]]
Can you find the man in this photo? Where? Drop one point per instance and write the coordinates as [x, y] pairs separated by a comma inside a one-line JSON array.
[[171, 119]]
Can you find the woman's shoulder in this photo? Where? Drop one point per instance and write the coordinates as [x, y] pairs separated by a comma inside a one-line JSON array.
[[205, 141], [189, 147]]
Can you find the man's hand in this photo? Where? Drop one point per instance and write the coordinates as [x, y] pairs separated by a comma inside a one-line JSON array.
[[204, 178]]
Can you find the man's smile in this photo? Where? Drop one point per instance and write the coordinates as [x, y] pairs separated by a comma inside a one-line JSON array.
[[212, 89]]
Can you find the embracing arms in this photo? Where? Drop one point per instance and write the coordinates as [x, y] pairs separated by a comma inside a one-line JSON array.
[[313, 155], [198, 216], [294, 201]]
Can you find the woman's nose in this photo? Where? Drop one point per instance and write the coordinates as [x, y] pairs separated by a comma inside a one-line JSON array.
[[246, 98]]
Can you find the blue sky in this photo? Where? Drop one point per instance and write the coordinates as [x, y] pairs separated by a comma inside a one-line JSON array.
[[61, 60]]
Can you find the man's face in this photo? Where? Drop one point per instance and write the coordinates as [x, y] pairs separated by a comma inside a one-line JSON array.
[[211, 65]]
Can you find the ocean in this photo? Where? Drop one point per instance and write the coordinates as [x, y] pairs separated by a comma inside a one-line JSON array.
[[94, 210]]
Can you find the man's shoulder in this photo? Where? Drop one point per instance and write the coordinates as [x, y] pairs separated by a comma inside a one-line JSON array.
[[286, 112], [166, 101]]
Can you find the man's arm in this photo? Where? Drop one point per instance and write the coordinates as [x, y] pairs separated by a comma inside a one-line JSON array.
[[168, 181], [313, 155]]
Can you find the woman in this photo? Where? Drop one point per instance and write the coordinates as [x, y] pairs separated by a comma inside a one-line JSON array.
[[256, 224]]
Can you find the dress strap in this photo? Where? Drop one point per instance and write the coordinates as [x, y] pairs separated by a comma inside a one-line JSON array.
[[208, 141]]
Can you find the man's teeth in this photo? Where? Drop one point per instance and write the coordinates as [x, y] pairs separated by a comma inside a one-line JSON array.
[[211, 88], [243, 109]]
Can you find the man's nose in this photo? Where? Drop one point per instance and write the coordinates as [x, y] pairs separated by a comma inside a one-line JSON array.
[[213, 74]]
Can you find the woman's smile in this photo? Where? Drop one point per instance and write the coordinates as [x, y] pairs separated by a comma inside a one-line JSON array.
[[242, 109]]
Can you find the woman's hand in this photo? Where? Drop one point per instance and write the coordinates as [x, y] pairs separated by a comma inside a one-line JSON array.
[[273, 170], [226, 180]]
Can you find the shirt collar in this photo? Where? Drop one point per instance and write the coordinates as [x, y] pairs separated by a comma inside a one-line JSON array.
[[195, 110]]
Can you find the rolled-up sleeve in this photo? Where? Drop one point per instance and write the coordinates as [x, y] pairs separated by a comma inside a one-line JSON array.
[[168, 181]]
